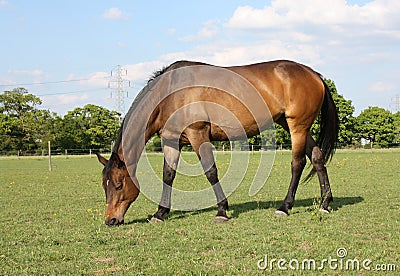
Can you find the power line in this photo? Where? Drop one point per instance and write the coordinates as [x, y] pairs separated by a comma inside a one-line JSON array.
[[116, 82], [71, 92], [48, 82]]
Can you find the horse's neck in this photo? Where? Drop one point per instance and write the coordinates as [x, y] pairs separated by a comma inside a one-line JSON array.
[[133, 143], [139, 125]]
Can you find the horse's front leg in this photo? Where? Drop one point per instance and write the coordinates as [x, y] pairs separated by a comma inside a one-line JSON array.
[[171, 159], [203, 149], [222, 202]]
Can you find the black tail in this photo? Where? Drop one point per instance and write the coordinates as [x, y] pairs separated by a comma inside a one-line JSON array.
[[329, 128], [327, 139]]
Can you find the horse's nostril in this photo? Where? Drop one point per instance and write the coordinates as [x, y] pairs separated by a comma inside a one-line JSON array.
[[111, 222]]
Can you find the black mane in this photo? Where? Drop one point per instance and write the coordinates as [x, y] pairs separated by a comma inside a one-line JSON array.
[[175, 65], [157, 73], [119, 138], [141, 94]]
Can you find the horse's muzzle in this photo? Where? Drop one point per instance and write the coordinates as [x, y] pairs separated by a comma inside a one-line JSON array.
[[114, 222]]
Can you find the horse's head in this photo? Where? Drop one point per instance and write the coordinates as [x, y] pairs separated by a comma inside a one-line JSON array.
[[119, 187]]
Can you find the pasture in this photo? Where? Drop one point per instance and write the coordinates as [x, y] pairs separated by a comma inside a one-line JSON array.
[[53, 223]]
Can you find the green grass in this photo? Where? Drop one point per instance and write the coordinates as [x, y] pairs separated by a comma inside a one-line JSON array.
[[52, 222]]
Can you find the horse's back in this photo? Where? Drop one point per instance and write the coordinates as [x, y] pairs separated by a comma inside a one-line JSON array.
[[288, 89]]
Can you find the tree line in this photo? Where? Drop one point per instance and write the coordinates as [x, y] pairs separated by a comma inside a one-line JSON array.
[[26, 127]]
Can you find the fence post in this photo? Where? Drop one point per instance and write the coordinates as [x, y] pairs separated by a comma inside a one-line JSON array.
[[50, 165], [66, 154], [90, 153]]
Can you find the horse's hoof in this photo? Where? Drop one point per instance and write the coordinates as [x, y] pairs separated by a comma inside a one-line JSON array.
[[323, 211], [280, 214], [219, 219], [155, 220]]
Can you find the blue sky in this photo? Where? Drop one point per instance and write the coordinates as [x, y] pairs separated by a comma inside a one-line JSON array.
[[77, 43]]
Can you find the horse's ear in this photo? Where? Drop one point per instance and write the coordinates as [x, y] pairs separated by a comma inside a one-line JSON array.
[[116, 160], [102, 160]]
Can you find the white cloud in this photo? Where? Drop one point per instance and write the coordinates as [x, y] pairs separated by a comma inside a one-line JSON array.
[[333, 13], [3, 3], [71, 99], [381, 87], [7, 83], [304, 30], [137, 74], [115, 14], [98, 79], [209, 30], [222, 55], [244, 53], [170, 57], [140, 72], [33, 73], [22, 77], [121, 44], [313, 32], [65, 102], [334, 37], [170, 31]]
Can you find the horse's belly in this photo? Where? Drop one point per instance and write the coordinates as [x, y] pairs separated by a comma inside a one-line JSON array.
[[232, 133]]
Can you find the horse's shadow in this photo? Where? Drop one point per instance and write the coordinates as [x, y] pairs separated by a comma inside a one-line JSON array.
[[338, 203], [240, 208]]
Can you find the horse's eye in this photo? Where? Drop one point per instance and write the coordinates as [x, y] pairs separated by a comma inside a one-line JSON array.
[[119, 186]]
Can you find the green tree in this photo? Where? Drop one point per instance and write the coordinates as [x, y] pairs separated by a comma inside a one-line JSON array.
[[254, 141], [88, 127], [282, 137], [44, 131], [396, 122], [154, 144], [376, 125], [9, 132], [23, 126]]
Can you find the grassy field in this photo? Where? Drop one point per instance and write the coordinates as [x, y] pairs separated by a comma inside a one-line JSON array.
[[53, 223]]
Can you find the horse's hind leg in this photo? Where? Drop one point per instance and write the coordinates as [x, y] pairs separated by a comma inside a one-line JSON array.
[[171, 159], [314, 153], [298, 162], [203, 148]]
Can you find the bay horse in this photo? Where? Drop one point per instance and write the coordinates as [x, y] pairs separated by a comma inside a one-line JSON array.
[[293, 94]]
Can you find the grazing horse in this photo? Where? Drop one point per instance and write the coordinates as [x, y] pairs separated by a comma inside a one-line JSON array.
[[293, 93]]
